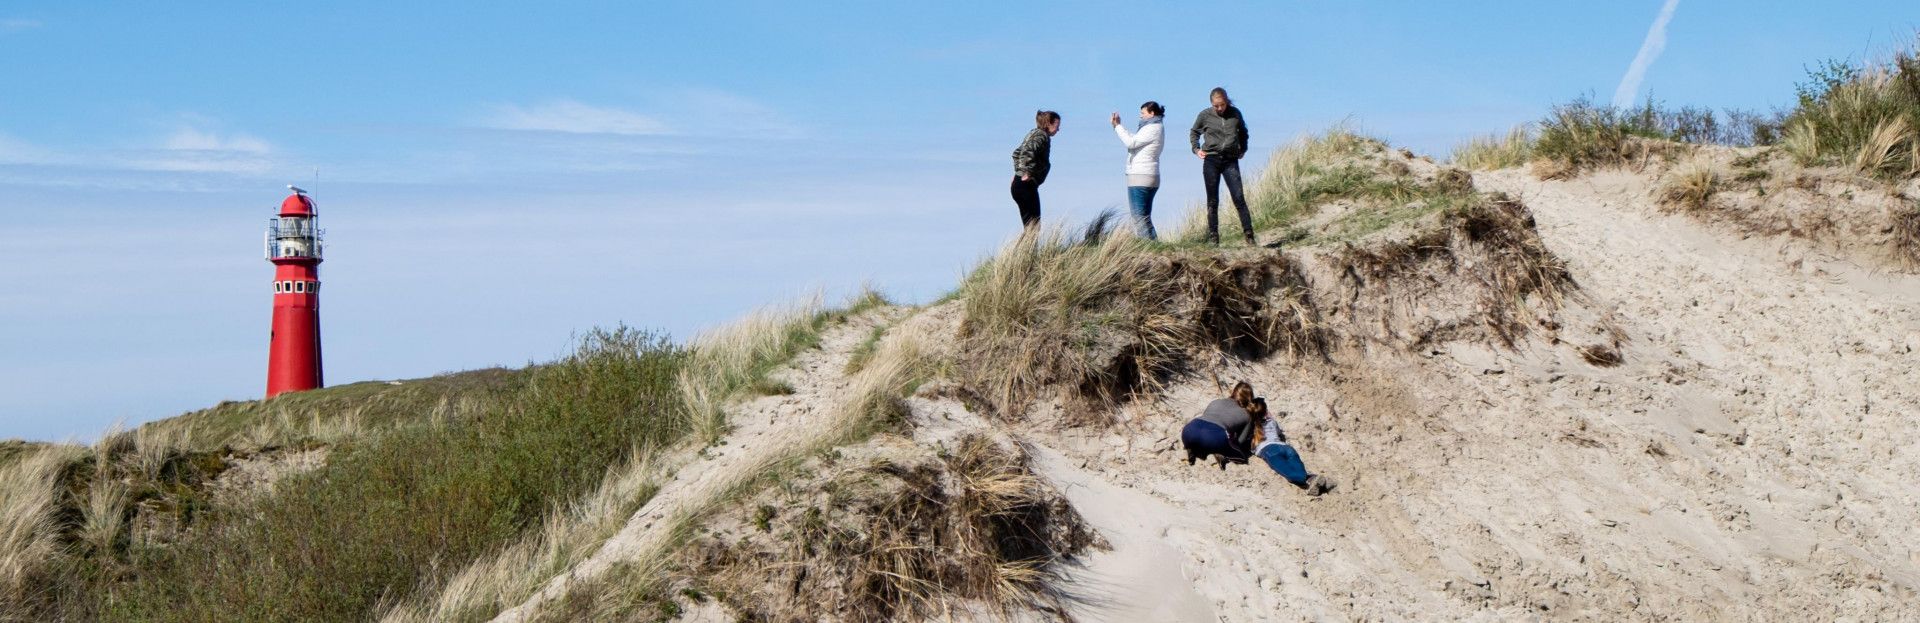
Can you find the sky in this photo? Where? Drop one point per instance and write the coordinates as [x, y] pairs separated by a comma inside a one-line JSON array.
[[496, 178]]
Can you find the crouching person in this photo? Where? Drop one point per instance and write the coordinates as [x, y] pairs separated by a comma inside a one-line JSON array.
[[1271, 446], [1224, 429]]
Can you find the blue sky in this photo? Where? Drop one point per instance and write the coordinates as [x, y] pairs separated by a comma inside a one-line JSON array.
[[496, 178]]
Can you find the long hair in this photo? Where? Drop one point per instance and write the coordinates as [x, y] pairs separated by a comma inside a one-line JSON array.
[[1242, 394], [1220, 92], [1044, 117]]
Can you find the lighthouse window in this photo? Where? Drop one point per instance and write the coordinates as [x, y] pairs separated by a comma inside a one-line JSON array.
[[276, 287], [299, 287]]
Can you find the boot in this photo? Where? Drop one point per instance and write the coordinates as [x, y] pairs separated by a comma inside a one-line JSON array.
[[1317, 485]]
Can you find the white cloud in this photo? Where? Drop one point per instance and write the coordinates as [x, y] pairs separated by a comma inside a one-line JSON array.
[[17, 24], [186, 150], [13, 151], [744, 116], [574, 118], [192, 139], [1650, 49]]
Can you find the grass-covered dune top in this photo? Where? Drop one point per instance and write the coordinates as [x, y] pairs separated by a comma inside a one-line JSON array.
[[340, 503], [1841, 167], [1862, 117], [134, 531]]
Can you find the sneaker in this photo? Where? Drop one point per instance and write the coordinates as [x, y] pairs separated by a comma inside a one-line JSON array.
[[1317, 485]]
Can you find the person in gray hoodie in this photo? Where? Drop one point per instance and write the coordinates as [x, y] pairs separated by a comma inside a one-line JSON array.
[[1031, 162], [1224, 429], [1219, 138]]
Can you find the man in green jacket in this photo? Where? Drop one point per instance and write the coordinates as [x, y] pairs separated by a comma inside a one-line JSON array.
[[1219, 138]]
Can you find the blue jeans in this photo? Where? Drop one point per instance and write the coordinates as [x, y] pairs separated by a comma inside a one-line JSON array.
[[1202, 439], [1140, 198], [1285, 462]]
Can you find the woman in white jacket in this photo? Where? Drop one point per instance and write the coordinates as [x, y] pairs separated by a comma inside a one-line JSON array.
[[1143, 163]]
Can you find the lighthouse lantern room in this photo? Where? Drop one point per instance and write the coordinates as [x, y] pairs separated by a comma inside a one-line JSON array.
[[294, 244]]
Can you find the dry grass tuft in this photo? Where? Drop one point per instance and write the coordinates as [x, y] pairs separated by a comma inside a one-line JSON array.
[[1883, 151], [898, 534], [104, 517], [1690, 187], [1866, 117], [30, 544], [1027, 309], [1487, 153]]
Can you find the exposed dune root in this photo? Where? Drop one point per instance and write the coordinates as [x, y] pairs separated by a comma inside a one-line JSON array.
[[1476, 272], [1906, 236], [891, 531], [1479, 268], [1145, 318]]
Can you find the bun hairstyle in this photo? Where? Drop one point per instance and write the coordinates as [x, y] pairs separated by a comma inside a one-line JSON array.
[[1043, 118], [1220, 92], [1242, 395], [1155, 108]]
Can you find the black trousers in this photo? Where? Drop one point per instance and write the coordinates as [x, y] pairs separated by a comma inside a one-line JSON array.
[[1027, 195], [1216, 168]]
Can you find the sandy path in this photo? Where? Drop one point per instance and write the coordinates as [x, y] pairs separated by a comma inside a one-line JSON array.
[[1751, 459], [763, 429]]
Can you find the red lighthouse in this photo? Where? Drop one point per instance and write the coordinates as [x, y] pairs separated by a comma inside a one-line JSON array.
[[293, 245]]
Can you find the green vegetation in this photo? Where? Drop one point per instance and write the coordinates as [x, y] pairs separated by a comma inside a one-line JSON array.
[[731, 361], [1864, 117], [727, 364], [391, 514], [873, 403], [864, 352], [334, 412], [1299, 178]]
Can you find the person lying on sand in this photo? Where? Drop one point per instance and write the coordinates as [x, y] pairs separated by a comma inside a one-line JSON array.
[[1224, 429], [1270, 444]]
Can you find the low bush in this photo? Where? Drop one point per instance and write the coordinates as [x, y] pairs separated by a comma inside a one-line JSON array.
[[1864, 117]]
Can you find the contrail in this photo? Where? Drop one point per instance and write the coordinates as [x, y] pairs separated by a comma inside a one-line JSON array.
[[1649, 50]]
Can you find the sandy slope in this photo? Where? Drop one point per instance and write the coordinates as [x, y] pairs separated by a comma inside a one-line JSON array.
[[1751, 460], [763, 429]]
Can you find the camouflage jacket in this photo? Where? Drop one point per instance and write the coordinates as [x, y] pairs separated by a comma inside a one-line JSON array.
[[1032, 157]]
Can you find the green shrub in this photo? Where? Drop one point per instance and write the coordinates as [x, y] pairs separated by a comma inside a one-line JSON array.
[[1867, 118]]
